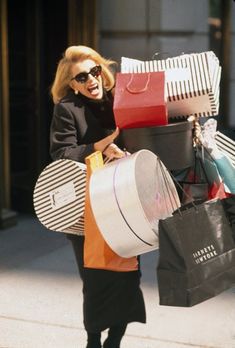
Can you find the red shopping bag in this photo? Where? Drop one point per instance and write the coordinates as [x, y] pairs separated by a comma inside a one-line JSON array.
[[140, 100], [218, 191]]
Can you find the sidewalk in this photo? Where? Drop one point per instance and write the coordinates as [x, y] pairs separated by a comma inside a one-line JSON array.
[[41, 300]]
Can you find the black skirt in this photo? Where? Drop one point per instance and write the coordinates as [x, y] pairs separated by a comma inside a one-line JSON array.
[[110, 298]]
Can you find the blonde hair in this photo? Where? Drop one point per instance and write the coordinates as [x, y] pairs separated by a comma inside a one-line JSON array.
[[73, 55]]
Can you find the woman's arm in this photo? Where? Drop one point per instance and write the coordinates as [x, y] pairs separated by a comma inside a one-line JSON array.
[[64, 136]]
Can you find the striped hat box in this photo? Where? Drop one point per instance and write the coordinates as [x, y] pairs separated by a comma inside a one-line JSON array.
[[192, 82], [226, 145], [59, 196]]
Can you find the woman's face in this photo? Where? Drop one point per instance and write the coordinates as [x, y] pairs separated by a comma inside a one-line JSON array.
[[89, 84]]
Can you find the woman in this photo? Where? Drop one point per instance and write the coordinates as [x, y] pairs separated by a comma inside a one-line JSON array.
[[83, 122]]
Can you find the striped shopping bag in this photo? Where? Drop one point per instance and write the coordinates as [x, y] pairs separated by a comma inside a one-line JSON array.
[[226, 145]]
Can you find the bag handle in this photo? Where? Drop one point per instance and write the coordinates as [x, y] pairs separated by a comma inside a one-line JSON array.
[[177, 183], [156, 55], [198, 167], [170, 196], [135, 91]]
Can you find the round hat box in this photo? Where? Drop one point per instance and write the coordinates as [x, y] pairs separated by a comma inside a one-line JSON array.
[[172, 143], [59, 196], [128, 197]]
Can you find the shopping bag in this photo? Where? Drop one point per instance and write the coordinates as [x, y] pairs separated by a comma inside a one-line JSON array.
[[227, 172], [97, 253], [216, 182], [197, 255], [226, 145], [192, 82], [194, 191], [221, 149], [229, 207], [224, 159], [139, 100], [195, 186]]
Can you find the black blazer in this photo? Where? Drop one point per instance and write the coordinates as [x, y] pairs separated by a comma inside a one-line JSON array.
[[74, 129]]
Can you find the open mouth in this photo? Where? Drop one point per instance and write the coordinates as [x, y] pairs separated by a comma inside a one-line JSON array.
[[93, 89]]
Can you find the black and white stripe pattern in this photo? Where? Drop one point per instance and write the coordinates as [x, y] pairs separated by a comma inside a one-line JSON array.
[[226, 145], [200, 83], [59, 196]]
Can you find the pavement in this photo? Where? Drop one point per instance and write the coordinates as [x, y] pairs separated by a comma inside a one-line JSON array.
[[41, 299]]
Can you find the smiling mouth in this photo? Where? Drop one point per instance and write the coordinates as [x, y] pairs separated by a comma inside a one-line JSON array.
[[93, 89]]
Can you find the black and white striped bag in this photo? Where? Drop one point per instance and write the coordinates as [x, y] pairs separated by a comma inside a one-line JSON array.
[[192, 82], [59, 196], [226, 145]]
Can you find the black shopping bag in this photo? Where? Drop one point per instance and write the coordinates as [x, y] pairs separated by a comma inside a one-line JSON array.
[[197, 255], [229, 207]]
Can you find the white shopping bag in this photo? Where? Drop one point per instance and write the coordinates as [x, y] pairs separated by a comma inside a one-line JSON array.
[[219, 151], [192, 82], [226, 145]]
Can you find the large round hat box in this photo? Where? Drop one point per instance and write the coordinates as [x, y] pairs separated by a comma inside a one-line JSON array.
[[128, 197], [59, 196], [172, 143]]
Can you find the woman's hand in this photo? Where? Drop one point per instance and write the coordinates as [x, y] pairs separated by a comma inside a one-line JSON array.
[[108, 148], [113, 151]]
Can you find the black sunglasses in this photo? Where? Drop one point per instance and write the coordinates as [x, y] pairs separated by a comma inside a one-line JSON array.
[[83, 76]]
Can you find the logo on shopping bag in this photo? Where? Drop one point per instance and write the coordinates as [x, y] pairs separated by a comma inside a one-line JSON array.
[[204, 254]]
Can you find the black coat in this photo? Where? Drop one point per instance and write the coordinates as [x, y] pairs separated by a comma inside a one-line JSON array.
[[77, 123], [110, 298]]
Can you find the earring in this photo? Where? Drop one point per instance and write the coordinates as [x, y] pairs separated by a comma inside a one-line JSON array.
[[76, 91]]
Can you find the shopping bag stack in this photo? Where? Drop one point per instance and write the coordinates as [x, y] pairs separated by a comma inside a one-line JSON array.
[[197, 244], [192, 82], [153, 100]]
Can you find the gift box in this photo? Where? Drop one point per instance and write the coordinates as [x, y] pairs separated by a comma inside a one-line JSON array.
[[173, 143], [192, 82]]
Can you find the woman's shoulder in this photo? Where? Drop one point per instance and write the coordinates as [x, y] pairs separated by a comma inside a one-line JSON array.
[[71, 99], [69, 109], [71, 104]]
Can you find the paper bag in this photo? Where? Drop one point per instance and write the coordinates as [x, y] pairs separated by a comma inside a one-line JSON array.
[[97, 253], [140, 100], [197, 255]]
